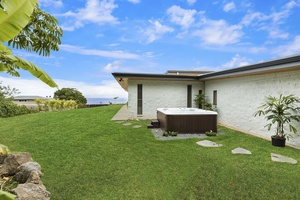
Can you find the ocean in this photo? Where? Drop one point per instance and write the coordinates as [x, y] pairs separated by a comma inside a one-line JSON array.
[[106, 100]]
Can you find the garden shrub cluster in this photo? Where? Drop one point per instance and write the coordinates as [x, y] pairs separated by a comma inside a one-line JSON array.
[[55, 104], [10, 109]]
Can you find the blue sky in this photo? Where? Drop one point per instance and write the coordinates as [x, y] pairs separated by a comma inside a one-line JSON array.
[[152, 36]]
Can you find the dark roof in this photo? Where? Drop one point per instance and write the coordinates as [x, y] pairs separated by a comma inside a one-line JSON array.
[[151, 76], [29, 97], [268, 66], [282, 64]]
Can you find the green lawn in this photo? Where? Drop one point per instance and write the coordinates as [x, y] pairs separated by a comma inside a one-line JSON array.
[[85, 155]]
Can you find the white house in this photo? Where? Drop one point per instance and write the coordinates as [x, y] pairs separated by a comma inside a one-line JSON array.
[[236, 93], [28, 101]]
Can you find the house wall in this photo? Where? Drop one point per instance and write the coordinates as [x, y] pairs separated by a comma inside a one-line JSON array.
[[160, 94], [238, 99]]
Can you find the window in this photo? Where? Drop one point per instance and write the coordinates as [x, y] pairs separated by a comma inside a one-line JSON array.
[[139, 99], [215, 96], [189, 96]]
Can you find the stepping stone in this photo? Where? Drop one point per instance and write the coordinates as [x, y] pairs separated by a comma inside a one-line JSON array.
[[137, 126], [119, 122], [240, 150], [280, 158], [208, 143], [127, 124]]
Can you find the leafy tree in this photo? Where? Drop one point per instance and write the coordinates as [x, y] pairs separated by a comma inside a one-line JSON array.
[[25, 26], [7, 107], [7, 92], [70, 94]]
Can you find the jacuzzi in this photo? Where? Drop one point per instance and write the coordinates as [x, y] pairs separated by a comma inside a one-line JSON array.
[[187, 120]]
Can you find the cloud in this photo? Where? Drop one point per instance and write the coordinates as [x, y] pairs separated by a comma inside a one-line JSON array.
[[96, 52], [112, 66], [236, 61], [105, 89], [218, 32], [156, 31], [229, 6], [191, 2], [290, 48], [180, 16], [271, 22], [134, 1], [95, 11]]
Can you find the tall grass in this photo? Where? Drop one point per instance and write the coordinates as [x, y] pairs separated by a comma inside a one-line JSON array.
[[85, 155]]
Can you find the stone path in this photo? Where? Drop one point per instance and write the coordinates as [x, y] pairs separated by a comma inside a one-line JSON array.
[[280, 158], [240, 150], [119, 122], [208, 143], [127, 124]]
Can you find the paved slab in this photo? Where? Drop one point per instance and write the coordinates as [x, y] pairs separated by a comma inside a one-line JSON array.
[[122, 114], [240, 150], [137, 126], [119, 122], [127, 124], [280, 158], [208, 143]]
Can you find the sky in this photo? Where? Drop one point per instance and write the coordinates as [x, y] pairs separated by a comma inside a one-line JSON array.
[[153, 36]]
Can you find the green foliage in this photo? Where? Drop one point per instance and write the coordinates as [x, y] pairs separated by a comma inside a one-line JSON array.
[[23, 25], [7, 107], [170, 133], [280, 111], [6, 195], [4, 149], [202, 103], [70, 94], [10, 109], [211, 133], [6, 91], [55, 104]]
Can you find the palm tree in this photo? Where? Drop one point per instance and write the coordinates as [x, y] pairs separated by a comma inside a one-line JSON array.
[[280, 111]]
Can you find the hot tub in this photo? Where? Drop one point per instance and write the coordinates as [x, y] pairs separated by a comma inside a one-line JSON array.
[[187, 120]]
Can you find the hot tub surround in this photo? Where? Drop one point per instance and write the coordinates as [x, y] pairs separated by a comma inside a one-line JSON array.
[[187, 120]]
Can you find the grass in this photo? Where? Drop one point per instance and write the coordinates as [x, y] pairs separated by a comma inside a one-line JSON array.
[[85, 155]]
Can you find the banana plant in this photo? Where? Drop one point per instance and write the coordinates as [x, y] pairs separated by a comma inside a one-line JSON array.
[[14, 17]]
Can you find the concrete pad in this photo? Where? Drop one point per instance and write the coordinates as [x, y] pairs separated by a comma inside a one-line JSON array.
[[137, 126], [208, 143], [240, 150], [280, 158], [127, 124], [119, 122]]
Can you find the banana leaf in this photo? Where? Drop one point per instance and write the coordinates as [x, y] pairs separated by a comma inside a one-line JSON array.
[[14, 16]]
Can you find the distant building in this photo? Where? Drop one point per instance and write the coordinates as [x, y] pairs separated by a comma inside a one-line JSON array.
[[28, 101]]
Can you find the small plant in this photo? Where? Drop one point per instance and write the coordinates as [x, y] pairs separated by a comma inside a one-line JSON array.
[[4, 149], [165, 133], [170, 133], [201, 103], [173, 133], [211, 133]]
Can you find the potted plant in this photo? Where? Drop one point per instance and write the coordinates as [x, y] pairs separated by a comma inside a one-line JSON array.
[[280, 111]]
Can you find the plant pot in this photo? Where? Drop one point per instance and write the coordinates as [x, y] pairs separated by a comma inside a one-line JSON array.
[[278, 142]]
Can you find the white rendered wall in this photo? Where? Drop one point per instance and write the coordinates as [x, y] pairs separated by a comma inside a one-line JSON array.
[[160, 94], [238, 99]]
